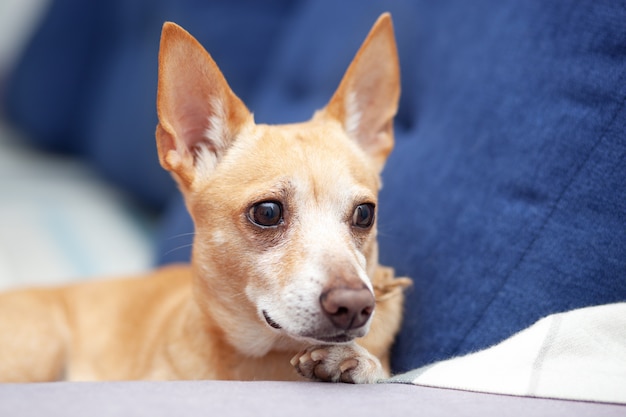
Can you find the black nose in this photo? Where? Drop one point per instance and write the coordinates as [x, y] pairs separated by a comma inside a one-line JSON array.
[[348, 308]]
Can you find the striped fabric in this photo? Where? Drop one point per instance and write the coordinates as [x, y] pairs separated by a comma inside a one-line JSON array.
[[578, 355]]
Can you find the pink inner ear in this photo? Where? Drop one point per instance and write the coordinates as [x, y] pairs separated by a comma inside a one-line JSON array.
[[186, 103], [193, 125]]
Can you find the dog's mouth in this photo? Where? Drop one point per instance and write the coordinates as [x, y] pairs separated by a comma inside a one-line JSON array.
[[271, 322], [337, 338]]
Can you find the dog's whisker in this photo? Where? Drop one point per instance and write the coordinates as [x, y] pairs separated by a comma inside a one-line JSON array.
[[177, 248], [180, 235]]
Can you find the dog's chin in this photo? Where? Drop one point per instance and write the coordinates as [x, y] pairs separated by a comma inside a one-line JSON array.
[[315, 337]]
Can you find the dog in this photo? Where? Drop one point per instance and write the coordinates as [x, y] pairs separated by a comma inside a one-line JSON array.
[[284, 282]]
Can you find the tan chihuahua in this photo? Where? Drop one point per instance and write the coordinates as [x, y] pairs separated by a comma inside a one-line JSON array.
[[284, 283]]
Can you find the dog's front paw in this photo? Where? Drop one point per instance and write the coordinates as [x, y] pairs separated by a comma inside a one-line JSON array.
[[338, 363]]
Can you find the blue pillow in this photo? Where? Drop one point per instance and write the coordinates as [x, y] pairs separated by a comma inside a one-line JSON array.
[[505, 200]]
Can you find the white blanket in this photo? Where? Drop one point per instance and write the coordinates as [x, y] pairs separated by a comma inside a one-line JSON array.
[[578, 355]]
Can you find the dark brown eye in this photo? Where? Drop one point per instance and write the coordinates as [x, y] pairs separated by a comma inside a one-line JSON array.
[[266, 214], [363, 216]]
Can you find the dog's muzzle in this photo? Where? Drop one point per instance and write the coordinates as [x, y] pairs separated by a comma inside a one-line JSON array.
[[347, 312]]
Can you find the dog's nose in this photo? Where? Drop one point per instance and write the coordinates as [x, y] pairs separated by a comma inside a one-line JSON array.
[[348, 308]]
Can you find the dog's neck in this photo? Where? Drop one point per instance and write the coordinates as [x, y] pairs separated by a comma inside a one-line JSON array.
[[197, 333]]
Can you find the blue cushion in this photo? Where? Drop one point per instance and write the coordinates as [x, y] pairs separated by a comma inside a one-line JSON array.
[[505, 200]]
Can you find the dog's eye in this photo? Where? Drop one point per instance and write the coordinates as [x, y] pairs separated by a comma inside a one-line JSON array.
[[266, 214], [363, 216]]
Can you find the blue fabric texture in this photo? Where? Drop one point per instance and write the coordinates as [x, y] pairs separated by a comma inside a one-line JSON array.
[[506, 201], [505, 198]]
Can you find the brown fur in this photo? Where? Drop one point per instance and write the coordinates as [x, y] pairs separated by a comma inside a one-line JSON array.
[[206, 320]]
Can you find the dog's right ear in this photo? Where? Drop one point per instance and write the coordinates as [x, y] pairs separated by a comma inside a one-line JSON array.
[[199, 115], [366, 100]]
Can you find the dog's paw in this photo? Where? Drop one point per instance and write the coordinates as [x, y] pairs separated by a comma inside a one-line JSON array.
[[338, 363]]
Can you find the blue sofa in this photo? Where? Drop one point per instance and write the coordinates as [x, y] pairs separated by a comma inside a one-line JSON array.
[[504, 198]]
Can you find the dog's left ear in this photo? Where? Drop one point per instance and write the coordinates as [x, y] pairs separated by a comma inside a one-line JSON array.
[[366, 100]]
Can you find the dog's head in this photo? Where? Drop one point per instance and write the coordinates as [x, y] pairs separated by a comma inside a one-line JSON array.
[[285, 215]]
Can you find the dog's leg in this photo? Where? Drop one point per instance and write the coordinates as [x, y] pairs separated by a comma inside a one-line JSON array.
[[339, 363], [31, 340]]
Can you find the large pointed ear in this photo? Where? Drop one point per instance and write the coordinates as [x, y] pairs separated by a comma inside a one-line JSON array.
[[199, 115], [366, 100]]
